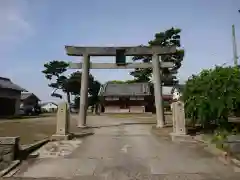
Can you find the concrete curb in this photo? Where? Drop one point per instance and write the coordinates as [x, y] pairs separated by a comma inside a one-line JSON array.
[[72, 135], [23, 153], [79, 135], [223, 156], [27, 150], [12, 166]]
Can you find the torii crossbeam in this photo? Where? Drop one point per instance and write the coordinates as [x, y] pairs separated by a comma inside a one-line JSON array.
[[86, 52]]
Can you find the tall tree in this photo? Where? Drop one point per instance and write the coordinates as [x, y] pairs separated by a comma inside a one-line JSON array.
[[74, 86], [93, 89], [170, 37], [74, 83], [54, 71], [71, 84], [93, 100]]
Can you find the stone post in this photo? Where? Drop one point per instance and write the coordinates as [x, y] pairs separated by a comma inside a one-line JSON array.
[[63, 118], [84, 91], [178, 114], [179, 123], [158, 91]]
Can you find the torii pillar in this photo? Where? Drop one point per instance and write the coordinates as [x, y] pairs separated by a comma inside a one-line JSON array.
[[158, 91], [84, 91]]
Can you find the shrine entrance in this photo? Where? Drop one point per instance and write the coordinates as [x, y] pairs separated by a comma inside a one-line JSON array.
[[120, 53]]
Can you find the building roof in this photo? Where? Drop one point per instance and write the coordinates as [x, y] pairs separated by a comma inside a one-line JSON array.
[[45, 103], [131, 89], [6, 83], [26, 95]]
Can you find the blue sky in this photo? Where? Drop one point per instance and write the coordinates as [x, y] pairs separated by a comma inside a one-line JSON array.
[[34, 32]]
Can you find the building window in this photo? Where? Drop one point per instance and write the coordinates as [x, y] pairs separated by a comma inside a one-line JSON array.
[[112, 98], [123, 106], [133, 98], [136, 98]]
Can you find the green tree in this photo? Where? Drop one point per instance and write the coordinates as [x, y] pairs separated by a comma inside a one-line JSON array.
[[170, 37], [94, 88], [74, 84], [213, 95], [54, 71]]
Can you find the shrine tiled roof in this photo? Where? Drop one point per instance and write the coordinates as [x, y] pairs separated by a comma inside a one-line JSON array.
[[131, 89], [6, 83], [26, 95]]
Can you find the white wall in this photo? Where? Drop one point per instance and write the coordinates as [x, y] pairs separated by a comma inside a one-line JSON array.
[[131, 109], [49, 106], [112, 109]]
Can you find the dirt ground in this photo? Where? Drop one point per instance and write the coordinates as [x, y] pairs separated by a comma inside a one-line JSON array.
[[31, 129], [38, 128]]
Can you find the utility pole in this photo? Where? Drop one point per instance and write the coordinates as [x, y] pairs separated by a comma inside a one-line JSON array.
[[235, 56]]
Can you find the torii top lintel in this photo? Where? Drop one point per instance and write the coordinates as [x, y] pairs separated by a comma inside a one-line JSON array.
[[111, 51]]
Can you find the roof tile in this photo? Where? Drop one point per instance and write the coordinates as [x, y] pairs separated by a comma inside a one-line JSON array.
[[6, 83], [25, 95]]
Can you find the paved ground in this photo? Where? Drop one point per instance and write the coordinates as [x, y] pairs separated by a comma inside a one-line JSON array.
[[127, 151]]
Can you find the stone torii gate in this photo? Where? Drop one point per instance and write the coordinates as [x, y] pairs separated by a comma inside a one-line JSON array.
[[120, 53]]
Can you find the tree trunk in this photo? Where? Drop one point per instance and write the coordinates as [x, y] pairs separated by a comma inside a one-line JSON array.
[[96, 108]]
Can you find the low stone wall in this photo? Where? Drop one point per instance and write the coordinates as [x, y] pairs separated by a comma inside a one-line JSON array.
[[137, 109], [112, 109], [233, 143], [9, 149]]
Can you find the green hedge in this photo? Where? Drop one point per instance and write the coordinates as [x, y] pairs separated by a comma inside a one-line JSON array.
[[211, 96]]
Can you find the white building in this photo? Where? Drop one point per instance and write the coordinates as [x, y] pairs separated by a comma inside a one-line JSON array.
[[49, 107]]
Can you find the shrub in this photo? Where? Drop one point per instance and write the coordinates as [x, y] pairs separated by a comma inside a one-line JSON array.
[[212, 95]]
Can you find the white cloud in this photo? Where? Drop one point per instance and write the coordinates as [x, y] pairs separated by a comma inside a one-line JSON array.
[[13, 22]]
